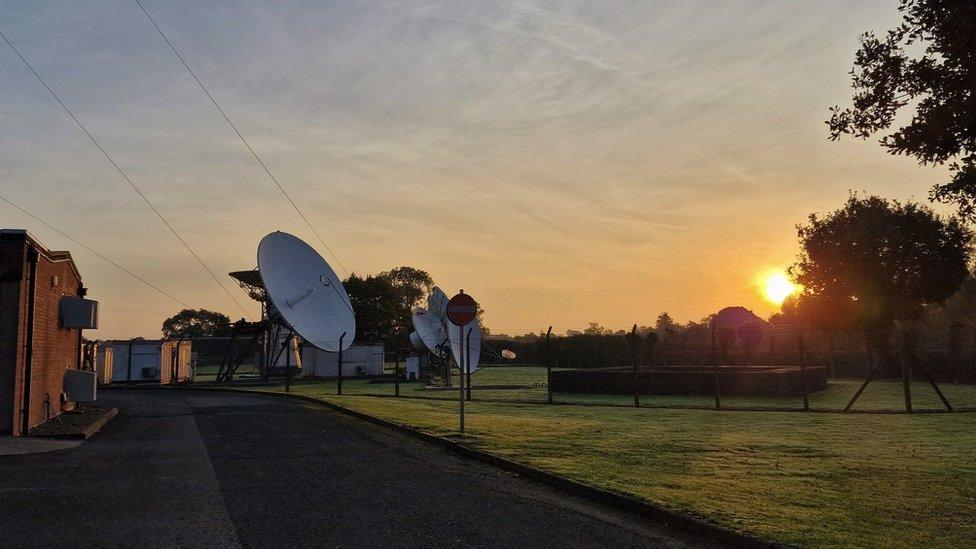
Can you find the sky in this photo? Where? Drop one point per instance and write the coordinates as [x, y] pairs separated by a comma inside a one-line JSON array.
[[564, 162]]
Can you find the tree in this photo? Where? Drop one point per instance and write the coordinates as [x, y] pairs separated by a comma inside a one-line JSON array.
[[412, 287], [665, 328], [886, 262], [881, 260], [594, 328], [929, 62], [411, 284], [377, 304], [194, 323]]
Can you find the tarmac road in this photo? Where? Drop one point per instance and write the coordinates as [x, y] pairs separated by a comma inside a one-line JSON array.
[[207, 469]]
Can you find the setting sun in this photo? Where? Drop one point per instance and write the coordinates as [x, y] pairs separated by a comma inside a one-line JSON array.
[[777, 287]]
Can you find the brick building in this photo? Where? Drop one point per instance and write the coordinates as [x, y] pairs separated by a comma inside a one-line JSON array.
[[42, 315]]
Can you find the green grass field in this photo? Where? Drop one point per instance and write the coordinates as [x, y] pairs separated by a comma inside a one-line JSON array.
[[815, 480]]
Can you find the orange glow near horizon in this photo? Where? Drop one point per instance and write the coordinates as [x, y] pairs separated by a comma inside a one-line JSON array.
[[777, 286]]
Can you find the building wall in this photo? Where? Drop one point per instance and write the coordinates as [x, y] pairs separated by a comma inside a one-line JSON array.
[[55, 349], [12, 303]]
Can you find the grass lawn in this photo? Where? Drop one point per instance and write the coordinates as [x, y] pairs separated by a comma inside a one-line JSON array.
[[814, 480]]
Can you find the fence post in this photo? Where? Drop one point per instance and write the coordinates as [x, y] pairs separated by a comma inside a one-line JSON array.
[[396, 374], [633, 362], [803, 372], [718, 401], [906, 371], [548, 365], [339, 369]]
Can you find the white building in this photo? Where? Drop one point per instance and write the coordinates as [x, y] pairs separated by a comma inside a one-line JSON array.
[[103, 363], [156, 360], [358, 360]]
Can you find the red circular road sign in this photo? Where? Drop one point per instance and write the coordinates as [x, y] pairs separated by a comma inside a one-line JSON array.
[[462, 309]]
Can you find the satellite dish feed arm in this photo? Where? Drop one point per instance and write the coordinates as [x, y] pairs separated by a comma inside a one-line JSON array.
[[299, 297]]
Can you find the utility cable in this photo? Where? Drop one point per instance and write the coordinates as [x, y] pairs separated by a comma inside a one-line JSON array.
[[93, 252], [241, 136], [123, 174]]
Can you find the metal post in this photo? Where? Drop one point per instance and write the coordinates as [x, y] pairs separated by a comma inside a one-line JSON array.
[[633, 362], [339, 372], [467, 361], [288, 362], [461, 380], [396, 373], [906, 372], [548, 365], [831, 353], [718, 401], [263, 350], [803, 371], [128, 368]]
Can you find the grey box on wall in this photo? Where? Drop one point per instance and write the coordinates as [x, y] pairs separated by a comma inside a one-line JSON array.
[[79, 313]]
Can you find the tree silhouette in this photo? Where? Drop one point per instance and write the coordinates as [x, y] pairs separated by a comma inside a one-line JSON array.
[[929, 62], [881, 260], [376, 302], [194, 323]]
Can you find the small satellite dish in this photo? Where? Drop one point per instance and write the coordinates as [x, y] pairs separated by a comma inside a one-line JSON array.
[[474, 353], [430, 329], [416, 341], [437, 304], [508, 355], [305, 291]]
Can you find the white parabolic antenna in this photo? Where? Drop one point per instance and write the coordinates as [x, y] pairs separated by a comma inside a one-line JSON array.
[[306, 292], [416, 341], [430, 329], [437, 304], [474, 355]]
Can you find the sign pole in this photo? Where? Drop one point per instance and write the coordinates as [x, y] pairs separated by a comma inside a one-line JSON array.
[[461, 378], [461, 311]]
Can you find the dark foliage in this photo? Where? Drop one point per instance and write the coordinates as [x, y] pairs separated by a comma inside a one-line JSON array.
[[882, 260], [384, 303], [377, 303], [194, 323], [928, 61]]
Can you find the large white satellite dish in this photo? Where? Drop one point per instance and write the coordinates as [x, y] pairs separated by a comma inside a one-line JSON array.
[[416, 341], [472, 355], [430, 329], [306, 292], [437, 304]]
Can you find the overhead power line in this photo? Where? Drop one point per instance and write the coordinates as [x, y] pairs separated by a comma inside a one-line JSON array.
[[241, 136], [93, 252], [122, 173]]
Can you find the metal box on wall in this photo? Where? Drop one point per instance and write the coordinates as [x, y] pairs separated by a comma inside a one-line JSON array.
[[80, 385], [79, 313]]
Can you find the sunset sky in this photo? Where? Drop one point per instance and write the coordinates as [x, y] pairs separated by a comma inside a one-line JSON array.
[[563, 162]]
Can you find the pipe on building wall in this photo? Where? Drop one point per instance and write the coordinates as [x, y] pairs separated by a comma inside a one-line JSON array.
[[82, 292], [29, 341]]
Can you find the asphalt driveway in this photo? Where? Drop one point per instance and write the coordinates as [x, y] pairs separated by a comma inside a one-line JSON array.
[[195, 468]]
